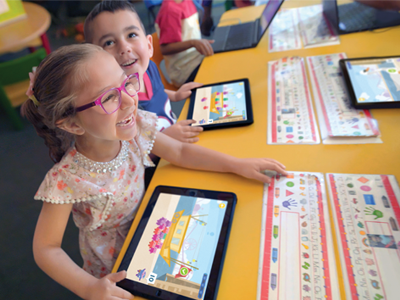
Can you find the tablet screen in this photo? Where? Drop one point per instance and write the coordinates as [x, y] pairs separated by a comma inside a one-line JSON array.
[[176, 250], [222, 103], [375, 80]]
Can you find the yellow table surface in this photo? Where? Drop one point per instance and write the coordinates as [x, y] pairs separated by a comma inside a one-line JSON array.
[[25, 32], [239, 276]]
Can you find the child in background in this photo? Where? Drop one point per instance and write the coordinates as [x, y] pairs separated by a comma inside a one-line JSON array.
[[116, 27], [85, 108], [177, 26]]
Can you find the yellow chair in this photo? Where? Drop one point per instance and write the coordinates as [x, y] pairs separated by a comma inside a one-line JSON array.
[[157, 58], [14, 82]]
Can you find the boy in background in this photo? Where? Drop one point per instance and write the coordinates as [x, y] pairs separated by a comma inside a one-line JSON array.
[[116, 27], [177, 26]]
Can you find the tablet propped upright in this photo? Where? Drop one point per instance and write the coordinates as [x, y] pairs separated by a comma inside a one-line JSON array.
[[372, 82], [178, 249], [220, 105]]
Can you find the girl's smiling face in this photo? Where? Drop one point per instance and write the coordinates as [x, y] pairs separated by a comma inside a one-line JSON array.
[[94, 124], [121, 34]]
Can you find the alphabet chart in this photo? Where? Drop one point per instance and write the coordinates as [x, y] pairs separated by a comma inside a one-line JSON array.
[[284, 33], [367, 216], [291, 117], [336, 117], [296, 255]]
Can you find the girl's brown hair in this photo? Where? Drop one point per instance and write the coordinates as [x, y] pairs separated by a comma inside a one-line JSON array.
[[58, 79]]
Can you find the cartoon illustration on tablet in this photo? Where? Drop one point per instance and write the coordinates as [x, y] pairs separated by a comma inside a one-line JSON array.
[[178, 245], [220, 104], [375, 80]]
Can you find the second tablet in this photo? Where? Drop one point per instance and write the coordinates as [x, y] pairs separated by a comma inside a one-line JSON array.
[[223, 104]]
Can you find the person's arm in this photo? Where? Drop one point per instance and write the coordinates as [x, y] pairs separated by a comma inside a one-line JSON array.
[[183, 92], [183, 132], [50, 257], [196, 157], [203, 46], [382, 4]]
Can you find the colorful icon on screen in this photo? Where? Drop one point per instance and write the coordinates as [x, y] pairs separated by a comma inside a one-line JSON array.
[[141, 274]]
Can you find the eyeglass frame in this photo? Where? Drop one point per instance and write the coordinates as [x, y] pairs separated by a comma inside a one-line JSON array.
[[98, 100]]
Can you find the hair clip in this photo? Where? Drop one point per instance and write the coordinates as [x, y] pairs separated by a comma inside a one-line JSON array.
[[34, 100]]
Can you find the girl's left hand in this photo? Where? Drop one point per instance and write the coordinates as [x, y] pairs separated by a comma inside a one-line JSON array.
[[253, 167], [185, 91]]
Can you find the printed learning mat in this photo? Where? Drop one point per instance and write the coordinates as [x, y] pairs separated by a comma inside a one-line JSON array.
[[306, 22], [366, 212], [296, 255], [336, 117], [315, 29], [284, 33], [291, 118]]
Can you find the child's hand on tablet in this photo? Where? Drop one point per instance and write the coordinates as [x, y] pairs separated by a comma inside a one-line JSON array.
[[184, 91], [105, 288], [182, 131], [253, 168]]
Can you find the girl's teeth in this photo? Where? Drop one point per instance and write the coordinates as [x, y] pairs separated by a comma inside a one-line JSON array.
[[125, 122]]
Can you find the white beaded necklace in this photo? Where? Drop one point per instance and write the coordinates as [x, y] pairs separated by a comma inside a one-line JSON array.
[[103, 167]]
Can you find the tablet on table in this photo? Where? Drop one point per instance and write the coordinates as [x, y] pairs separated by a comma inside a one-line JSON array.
[[372, 82], [223, 104], [178, 249]]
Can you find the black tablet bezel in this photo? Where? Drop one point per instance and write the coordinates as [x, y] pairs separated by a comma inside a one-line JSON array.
[[351, 93], [249, 109], [151, 292]]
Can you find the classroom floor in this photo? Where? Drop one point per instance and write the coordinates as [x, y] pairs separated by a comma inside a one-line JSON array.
[[24, 162]]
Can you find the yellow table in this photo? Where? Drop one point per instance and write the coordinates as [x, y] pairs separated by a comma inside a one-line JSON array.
[[28, 32], [239, 276]]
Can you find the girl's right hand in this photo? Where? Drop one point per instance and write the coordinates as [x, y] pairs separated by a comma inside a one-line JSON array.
[[106, 288]]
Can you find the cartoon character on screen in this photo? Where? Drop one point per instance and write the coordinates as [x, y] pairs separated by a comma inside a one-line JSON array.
[[172, 236], [141, 274], [160, 234], [229, 112]]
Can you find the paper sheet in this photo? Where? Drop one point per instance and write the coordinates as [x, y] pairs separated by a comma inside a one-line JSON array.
[[339, 122], [296, 254], [367, 217], [283, 32], [314, 28], [306, 22], [291, 118]]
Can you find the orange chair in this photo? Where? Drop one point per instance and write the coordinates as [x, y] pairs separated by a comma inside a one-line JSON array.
[[157, 58]]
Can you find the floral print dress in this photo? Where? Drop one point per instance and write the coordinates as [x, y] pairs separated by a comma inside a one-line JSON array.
[[105, 196]]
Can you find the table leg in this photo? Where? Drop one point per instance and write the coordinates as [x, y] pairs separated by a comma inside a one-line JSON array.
[[45, 42]]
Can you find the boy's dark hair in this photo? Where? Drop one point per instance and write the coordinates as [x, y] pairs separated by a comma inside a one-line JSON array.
[[110, 6]]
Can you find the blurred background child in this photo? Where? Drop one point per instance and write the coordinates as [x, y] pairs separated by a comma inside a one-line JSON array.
[[177, 26]]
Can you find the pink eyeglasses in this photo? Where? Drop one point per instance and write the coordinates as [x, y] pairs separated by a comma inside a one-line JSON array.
[[110, 101]]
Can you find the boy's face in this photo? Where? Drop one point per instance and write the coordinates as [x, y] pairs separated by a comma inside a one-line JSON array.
[[121, 34]]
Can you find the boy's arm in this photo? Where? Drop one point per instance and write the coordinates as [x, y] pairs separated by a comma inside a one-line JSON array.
[[183, 92], [203, 46], [181, 154], [52, 259], [182, 131]]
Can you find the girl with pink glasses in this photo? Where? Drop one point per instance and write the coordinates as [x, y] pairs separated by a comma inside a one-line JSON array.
[[86, 109]]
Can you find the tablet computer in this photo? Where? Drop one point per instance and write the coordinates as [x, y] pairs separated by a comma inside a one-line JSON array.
[[178, 249], [223, 104], [372, 82]]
